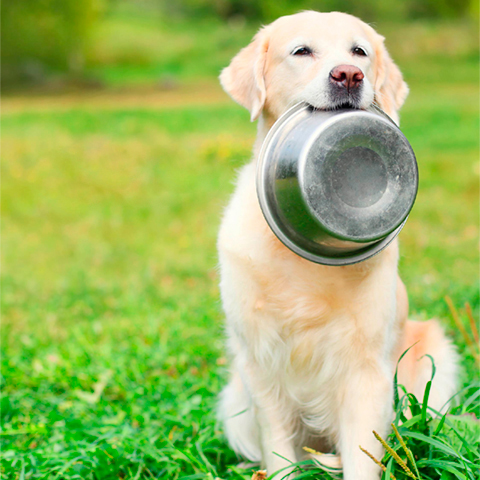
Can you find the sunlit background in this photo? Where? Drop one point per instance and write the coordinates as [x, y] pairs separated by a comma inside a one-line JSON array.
[[119, 152]]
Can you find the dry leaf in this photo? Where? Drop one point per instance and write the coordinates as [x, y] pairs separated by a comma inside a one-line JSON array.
[[260, 475]]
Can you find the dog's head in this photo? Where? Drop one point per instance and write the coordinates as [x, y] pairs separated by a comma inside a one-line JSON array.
[[329, 60]]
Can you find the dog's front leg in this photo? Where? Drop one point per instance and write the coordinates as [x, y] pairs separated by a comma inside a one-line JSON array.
[[365, 406], [275, 423], [277, 445]]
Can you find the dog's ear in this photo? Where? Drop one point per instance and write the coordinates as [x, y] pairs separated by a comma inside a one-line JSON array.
[[244, 79], [390, 88]]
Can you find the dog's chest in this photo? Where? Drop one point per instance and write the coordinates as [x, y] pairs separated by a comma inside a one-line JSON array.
[[303, 324], [310, 368]]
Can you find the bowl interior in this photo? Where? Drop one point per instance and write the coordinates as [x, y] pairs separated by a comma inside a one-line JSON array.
[[358, 177]]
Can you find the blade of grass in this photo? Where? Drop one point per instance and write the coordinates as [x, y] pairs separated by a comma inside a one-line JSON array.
[[475, 386], [412, 421], [471, 399], [209, 466], [440, 425], [390, 466], [439, 463], [407, 451], [460, 327], [437, 444], [395, 455], [473, 324], [378, 462], [395, 377], [427, 391], [414, 405]]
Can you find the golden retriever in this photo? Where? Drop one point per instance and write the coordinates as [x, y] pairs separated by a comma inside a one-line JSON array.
[[314, 348]]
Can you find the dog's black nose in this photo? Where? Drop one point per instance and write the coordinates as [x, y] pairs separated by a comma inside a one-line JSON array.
[[347, 76]]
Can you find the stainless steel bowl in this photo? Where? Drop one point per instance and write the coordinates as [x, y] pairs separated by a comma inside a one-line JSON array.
[[336, 187]]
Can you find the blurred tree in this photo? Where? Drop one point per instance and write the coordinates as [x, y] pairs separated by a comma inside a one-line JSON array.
[[369, 10], [44, 36], [41, 35]]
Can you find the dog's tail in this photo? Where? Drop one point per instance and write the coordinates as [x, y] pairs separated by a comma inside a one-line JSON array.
[[415, 368]]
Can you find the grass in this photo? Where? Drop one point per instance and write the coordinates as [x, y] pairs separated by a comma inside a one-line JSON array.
[[112, 330]]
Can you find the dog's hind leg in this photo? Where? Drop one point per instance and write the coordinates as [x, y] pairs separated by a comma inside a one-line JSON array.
[[236, 411], [415, 368]]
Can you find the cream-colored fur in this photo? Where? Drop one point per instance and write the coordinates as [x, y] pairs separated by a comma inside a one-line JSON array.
[[314, 347]]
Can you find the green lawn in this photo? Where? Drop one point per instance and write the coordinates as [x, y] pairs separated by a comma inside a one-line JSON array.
[[112, 343]]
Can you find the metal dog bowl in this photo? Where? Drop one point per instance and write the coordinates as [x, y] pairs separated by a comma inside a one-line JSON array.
[[336, 187]]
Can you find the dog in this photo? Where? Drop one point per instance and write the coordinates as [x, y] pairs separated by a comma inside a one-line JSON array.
[[314, 348]]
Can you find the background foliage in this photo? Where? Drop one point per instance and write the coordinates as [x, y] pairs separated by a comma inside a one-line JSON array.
[[45, 36]]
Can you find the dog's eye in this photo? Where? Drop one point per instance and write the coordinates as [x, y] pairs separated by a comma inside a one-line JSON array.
[[302, 51], [359, 51]]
